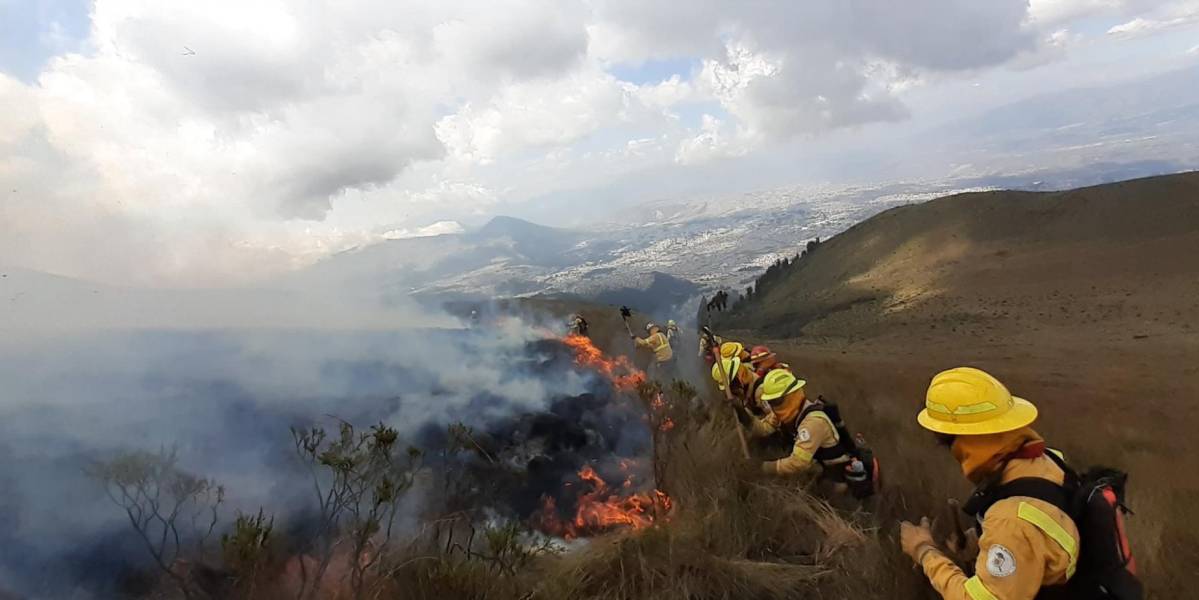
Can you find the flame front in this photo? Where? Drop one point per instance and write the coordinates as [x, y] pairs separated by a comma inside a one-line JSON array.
[[602, 509], [620, 370]]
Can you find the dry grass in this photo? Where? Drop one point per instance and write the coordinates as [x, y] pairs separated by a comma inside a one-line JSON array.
[[732, 534], [881, 399]]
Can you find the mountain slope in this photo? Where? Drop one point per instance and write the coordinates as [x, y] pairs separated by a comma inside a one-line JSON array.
[[978, 253], [1085, 302]]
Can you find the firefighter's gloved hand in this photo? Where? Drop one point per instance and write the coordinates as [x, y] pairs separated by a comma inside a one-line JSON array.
[[916, 539]]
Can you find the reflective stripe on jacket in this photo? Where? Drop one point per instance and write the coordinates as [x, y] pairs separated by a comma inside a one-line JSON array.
[[1026, 544], [815, 432], [659, 344]]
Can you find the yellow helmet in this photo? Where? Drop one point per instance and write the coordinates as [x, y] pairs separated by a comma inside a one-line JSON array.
[[968, 401], [731, 366], [779, 383], [731, 349]]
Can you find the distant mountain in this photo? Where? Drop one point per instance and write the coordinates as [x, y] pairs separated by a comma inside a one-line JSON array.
[[505, 257], [674, 252], [677, 248]]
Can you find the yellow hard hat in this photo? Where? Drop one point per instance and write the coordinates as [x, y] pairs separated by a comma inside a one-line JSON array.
[[968, 401], [731, 349], [731, 366], [779, 383]]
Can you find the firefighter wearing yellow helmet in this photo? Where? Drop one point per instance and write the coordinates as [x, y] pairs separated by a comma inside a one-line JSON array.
[[733, 367], [706, 340], [816, 439], [1028, 540], [659, 344]]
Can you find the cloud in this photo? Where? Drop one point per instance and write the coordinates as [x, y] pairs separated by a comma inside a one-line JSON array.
[[1051, 13], [714, 141], [1155, 17], [796, 68], [438, 228], [535, 114], [187, 140], [1141, 26]]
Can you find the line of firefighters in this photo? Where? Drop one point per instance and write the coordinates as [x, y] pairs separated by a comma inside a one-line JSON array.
[[1030, 544]]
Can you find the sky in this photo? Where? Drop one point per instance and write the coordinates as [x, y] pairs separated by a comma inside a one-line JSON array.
[[195, 144]]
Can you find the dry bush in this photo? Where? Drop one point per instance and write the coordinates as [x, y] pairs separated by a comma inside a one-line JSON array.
[[732, 533], [250, 553], [172, 511], [456, 558], [360, 478]]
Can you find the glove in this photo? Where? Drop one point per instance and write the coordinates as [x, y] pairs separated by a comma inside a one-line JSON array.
[[916, 540]]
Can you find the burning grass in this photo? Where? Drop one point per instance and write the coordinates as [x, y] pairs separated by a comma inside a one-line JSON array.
[[601, 508], [619, 369], [681, 517]]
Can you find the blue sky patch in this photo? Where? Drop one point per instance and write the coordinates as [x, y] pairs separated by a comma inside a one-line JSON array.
[[32, 32], [653, 71]]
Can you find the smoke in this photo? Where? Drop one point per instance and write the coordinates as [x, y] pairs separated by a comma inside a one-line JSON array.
[[225, 398]]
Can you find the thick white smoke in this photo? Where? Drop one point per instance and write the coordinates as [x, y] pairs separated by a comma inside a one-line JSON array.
[[225, 397]]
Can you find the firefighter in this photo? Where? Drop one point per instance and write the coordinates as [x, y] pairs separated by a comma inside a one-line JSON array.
[[657, 342], [815, 434], [706, 339], [732, 367], [765, 361], [578, 325], [672, 331], [735, 350], [1027, 543]]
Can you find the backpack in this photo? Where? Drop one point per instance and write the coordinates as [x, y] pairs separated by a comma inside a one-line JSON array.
[[1094, 500], [862, 473]]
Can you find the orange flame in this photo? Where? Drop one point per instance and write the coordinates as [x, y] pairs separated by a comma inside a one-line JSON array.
[[620, 370], [602, 508]]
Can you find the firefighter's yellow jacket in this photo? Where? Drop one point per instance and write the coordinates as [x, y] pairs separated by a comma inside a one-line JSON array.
[[1026, 544], [816, 431], [659, 344]]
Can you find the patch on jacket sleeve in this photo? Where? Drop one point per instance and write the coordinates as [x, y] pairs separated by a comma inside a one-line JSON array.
[[1000, 562], [804, 435]]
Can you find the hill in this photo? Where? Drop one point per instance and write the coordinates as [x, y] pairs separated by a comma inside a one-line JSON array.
[[1085, 302]]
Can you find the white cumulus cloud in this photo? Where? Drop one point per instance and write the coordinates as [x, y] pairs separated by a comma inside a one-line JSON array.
[[202, 142]]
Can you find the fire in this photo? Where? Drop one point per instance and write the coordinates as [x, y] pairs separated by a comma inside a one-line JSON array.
[[620, 370], [658, 406], [602, 508]]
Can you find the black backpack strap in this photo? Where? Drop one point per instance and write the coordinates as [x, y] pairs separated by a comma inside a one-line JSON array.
[[1072, 478], [1029, 487], [841, 448]]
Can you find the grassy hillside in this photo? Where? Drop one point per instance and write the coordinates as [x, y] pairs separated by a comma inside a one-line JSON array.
[[1085, 302], [975, 253]]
